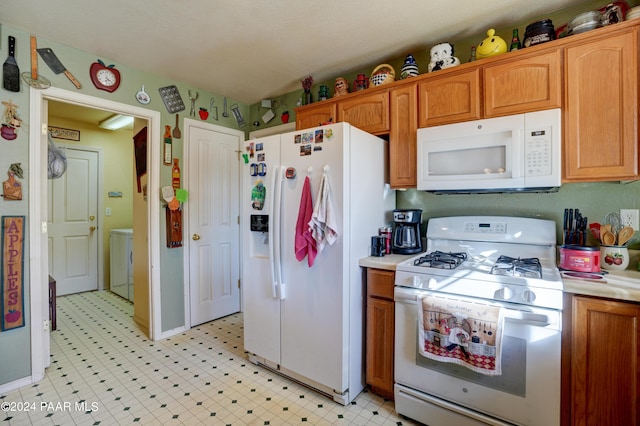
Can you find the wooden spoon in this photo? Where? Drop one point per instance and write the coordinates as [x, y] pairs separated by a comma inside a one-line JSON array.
[[176, 131], [608, 239], [603, 230], [625, 235]]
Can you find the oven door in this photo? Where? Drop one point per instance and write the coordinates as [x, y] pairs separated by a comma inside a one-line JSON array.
[[527, 392]]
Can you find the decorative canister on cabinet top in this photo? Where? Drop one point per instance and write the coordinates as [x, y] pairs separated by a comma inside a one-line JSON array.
[[409, 68], [383, 74], [491, 46], [442, 56], [539, 32], [341, 87]]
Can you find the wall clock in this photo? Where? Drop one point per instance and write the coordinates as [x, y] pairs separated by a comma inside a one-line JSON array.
[[104, 77]]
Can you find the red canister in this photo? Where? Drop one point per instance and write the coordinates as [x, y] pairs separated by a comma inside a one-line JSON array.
[[385, 232], [580, 258]]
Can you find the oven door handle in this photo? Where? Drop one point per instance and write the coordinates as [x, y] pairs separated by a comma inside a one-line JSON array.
[[539, 320]]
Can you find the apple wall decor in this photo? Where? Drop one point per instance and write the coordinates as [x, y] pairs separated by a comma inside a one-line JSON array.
[[104, 77]]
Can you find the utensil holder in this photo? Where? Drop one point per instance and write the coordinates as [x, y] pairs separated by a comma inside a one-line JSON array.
[[614, 258]]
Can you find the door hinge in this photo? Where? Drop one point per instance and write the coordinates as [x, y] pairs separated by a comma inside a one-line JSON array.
[[238, 282], [45, 129], [46, 326], [238, 219]]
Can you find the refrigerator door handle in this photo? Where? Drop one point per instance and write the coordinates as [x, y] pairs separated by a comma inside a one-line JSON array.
[[272, 231], [277, 233]]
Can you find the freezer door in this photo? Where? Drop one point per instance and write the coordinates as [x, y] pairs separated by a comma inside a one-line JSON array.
[[315, 309], [260, 305]]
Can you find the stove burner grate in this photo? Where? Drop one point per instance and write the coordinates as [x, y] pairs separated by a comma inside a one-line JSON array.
[[441, 260], [528, 267]]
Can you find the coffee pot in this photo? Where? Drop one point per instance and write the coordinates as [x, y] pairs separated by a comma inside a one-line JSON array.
[[406, 237]]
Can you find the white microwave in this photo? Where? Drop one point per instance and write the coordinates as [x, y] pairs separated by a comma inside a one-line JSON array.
[[504, 154]]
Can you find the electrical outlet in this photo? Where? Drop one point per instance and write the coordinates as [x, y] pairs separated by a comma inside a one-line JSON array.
[[630, 217]]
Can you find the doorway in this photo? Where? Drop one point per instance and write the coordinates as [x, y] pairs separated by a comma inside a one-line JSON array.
[[38, 196]]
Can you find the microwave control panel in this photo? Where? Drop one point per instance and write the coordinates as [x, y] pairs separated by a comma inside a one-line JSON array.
[[538, 152]]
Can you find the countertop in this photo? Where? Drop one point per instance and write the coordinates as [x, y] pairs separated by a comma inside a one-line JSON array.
[[621, 285], [387, 262]]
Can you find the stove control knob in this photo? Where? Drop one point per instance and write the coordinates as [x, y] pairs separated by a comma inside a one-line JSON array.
[[528, 296], [417, 282], [503, 293], [432, 283]]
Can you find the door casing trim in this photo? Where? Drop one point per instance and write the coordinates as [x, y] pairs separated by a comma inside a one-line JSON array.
[[38, 193]]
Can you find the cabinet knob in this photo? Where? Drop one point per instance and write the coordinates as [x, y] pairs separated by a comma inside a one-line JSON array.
[[196, 237]]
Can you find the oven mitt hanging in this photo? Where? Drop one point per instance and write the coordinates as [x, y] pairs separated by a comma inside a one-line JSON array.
[[57, 162]]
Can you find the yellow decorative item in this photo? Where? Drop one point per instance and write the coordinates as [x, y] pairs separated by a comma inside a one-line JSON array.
[[382, 74], [491, 46]]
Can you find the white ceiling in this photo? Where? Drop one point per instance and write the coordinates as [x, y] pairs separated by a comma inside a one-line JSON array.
[[250, 50]]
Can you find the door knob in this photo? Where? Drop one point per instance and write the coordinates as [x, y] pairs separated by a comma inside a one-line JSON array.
[[196, 237], [92, 228]]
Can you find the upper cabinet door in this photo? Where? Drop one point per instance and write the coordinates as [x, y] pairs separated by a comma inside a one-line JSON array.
[[601, 119], [524, 84], [403, 137], [315, 114], [367, 111], [448, 99]]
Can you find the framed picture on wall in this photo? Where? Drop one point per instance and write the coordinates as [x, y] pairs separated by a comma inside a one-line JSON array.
[[140, 152]]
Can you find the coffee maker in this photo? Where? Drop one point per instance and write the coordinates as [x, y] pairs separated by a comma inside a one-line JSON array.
[[406, 237]]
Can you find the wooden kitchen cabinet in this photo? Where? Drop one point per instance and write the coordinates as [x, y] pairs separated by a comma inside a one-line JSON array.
[[604, 352], [367, 111], [523, 84], [315, 114], [601, 115], [380, 331], [403, 136], [449, 98]]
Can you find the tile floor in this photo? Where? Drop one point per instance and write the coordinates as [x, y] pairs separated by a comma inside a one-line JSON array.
[[104, 371]]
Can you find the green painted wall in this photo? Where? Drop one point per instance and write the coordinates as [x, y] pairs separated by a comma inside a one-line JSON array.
[[594, 200]]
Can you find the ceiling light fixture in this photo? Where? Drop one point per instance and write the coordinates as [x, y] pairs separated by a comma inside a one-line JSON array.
[[116, 122]]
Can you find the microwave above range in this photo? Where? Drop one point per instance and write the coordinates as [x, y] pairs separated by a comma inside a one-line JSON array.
[[504, 154]]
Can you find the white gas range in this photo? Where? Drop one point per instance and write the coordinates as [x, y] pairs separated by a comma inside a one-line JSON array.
[[499, 261]]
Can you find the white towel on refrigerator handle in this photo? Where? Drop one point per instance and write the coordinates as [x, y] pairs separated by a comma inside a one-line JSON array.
[[324, 228]]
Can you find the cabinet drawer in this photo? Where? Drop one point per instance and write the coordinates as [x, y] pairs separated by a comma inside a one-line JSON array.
[[380, 283]]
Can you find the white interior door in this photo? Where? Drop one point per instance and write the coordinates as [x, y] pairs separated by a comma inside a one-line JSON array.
[[213, 213], [73, 235]]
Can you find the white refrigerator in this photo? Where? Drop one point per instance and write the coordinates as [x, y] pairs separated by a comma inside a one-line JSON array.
[[307, 322]]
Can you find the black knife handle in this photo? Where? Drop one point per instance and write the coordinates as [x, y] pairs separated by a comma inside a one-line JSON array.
[[12, 46]]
